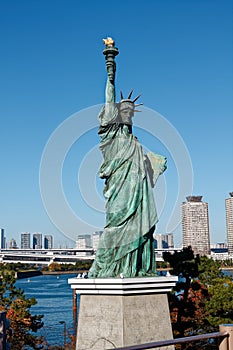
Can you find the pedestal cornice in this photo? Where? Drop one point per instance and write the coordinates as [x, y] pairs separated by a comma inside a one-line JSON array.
[[123, 286]]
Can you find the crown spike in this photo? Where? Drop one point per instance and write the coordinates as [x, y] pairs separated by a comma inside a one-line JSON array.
[[122, 97], [136, 110], [130, 94], [139, 104], [137, 98]]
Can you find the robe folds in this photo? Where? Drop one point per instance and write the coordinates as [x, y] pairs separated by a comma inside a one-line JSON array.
[[126, 247]]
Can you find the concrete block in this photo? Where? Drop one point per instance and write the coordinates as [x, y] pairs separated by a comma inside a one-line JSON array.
[[111, 321]]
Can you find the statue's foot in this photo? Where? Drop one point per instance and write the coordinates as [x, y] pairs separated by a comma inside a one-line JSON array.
[[147, 274]]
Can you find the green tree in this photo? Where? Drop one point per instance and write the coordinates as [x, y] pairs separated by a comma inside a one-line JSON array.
[[209, 271], [23, 325], [83, 265], [186, 304], [219, 304], [54, 266], [203, 297]]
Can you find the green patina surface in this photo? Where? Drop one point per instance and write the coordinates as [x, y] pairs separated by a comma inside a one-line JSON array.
[[126, 246]]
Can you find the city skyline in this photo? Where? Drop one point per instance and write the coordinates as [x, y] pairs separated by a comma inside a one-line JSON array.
[[179, 56], [190, 225]]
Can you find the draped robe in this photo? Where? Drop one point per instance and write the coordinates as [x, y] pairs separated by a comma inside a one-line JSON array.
[[126, 247]]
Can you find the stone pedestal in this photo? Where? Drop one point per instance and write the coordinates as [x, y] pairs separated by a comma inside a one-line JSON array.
[[122, 312]]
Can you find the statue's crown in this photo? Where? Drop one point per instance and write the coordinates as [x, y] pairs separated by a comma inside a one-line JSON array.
[[128, 100]]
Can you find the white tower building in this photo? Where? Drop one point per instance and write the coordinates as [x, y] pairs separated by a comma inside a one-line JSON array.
[[84, 242], [25, 240], [229, 222], [95, 239], [195, 225]]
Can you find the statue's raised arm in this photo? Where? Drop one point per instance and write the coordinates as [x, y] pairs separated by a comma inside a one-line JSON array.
[[110, 53]]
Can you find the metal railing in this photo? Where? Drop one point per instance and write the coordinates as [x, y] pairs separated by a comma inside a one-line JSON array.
[[224, 336]]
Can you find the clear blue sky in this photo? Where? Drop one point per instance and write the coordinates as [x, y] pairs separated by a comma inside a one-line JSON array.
[[178, 53]]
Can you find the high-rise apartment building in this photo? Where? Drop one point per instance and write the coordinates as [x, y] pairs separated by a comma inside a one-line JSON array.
[[163, 241], [229, 222], [95, 239], [195, 225], [37, 240], [84, 242], [25, 240], [48, 242], [2, 238], [13, 244]]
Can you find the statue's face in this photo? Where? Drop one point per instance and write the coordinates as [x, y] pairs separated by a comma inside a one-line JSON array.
[[126, 112]]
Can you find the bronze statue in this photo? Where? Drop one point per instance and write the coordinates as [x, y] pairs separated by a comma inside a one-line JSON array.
[[126, 247]]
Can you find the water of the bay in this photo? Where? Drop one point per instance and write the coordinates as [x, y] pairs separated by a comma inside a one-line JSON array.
[[54, 301], [228, 272]]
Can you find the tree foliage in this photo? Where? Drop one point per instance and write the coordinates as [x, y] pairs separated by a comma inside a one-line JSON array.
[[219, 304], [22, 324], [203, 296], [54, 266], [186, 303], [79, 266], [209, 271]]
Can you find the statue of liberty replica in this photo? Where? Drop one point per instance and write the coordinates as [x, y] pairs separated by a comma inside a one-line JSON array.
[[126, 247], [124, 302]]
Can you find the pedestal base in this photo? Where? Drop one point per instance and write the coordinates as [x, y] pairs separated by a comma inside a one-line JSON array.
[[122, 312]]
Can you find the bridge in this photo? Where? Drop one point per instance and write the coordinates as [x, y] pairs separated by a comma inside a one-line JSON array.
[[58, 255], [45, 256]]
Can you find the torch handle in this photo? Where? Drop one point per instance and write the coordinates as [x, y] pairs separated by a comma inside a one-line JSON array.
[[110, 52]]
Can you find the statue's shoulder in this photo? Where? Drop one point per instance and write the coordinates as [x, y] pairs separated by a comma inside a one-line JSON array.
[[108, 114]]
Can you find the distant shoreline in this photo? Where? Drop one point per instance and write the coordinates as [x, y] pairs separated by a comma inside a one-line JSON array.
[[61, 272], [33, 273]]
